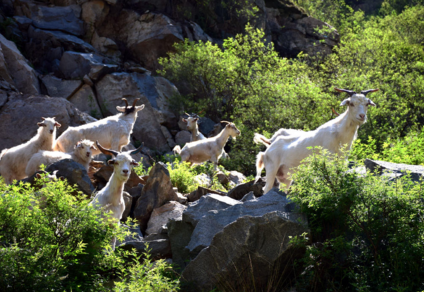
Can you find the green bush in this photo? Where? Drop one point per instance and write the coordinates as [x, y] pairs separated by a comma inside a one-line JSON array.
[[407, 150], [366, 233], [248, 83], [182, 175], [53, 241], [151, 276]]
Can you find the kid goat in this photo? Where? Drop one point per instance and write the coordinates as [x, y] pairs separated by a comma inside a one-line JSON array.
[[209, 148], [288, 151], [81, 153], [13, 161], [112, 132], [110, 198]]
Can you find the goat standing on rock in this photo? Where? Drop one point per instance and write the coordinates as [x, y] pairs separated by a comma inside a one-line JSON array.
[[110, 198], [288, 151], [113, 132], [209, 148], [13, 161]]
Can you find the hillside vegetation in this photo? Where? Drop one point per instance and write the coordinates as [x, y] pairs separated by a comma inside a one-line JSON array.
[[246, 81]]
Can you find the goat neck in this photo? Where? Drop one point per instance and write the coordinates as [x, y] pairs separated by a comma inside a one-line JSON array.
[[346, 128], [195, 133], [115, 186], [222, 137]]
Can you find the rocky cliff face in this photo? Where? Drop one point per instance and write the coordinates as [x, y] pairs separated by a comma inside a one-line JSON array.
[[93, 53]]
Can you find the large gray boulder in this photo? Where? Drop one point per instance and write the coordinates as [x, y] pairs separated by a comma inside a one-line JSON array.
[[214, 222], [395, 170], [55, 18], [156, 192], [77, 65], [147, 36], [85, 100], [17, 128], [57, 87], [14, 66], [245, 251], [75, 173], [160, 216], [113, 87], [242, 189], [180, 231], [52, 38]]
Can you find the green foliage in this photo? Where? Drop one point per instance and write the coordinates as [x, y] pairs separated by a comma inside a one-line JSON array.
[[183, 175], [407, 150], [150, 276], [366, 232], [248, 83], [53, 241], [57, 247]]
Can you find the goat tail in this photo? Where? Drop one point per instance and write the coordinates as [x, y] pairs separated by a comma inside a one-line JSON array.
[[177, 150], [258, 138], [259, 165]]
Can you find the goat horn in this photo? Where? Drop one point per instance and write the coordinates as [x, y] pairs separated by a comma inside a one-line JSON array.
[[136, 150], [226, 122], [106, 151], [135, 101], [365, 92], [126, 102], [336, 113], [350, 92]]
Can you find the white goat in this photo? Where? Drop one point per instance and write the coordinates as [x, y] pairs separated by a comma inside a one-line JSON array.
[[209, 148], [13, 161], [81, 153], [287, 152], [110, 198], [258, 138], [112, 132]]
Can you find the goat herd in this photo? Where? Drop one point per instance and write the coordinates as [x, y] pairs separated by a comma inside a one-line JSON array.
[[285, 150]]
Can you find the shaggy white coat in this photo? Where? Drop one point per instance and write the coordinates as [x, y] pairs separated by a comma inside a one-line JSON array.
[[110, 198], [112, 132], [13, 161], [286, 152], [209, 148], [81, 154]]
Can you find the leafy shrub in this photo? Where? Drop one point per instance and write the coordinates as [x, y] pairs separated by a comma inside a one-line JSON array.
[[150, 276], [248, 83], [53, 241], [407, 150], [366, 233], [183, 175]]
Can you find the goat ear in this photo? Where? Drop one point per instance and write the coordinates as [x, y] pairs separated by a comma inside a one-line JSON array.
[[38, 175], [62, 178], [345, 102], [184, 120], [92, 147], [134, 163], [196, 119], [57, 125], [111, 162], [370, 102], [139, 108], [120, 109], [41, 125]]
